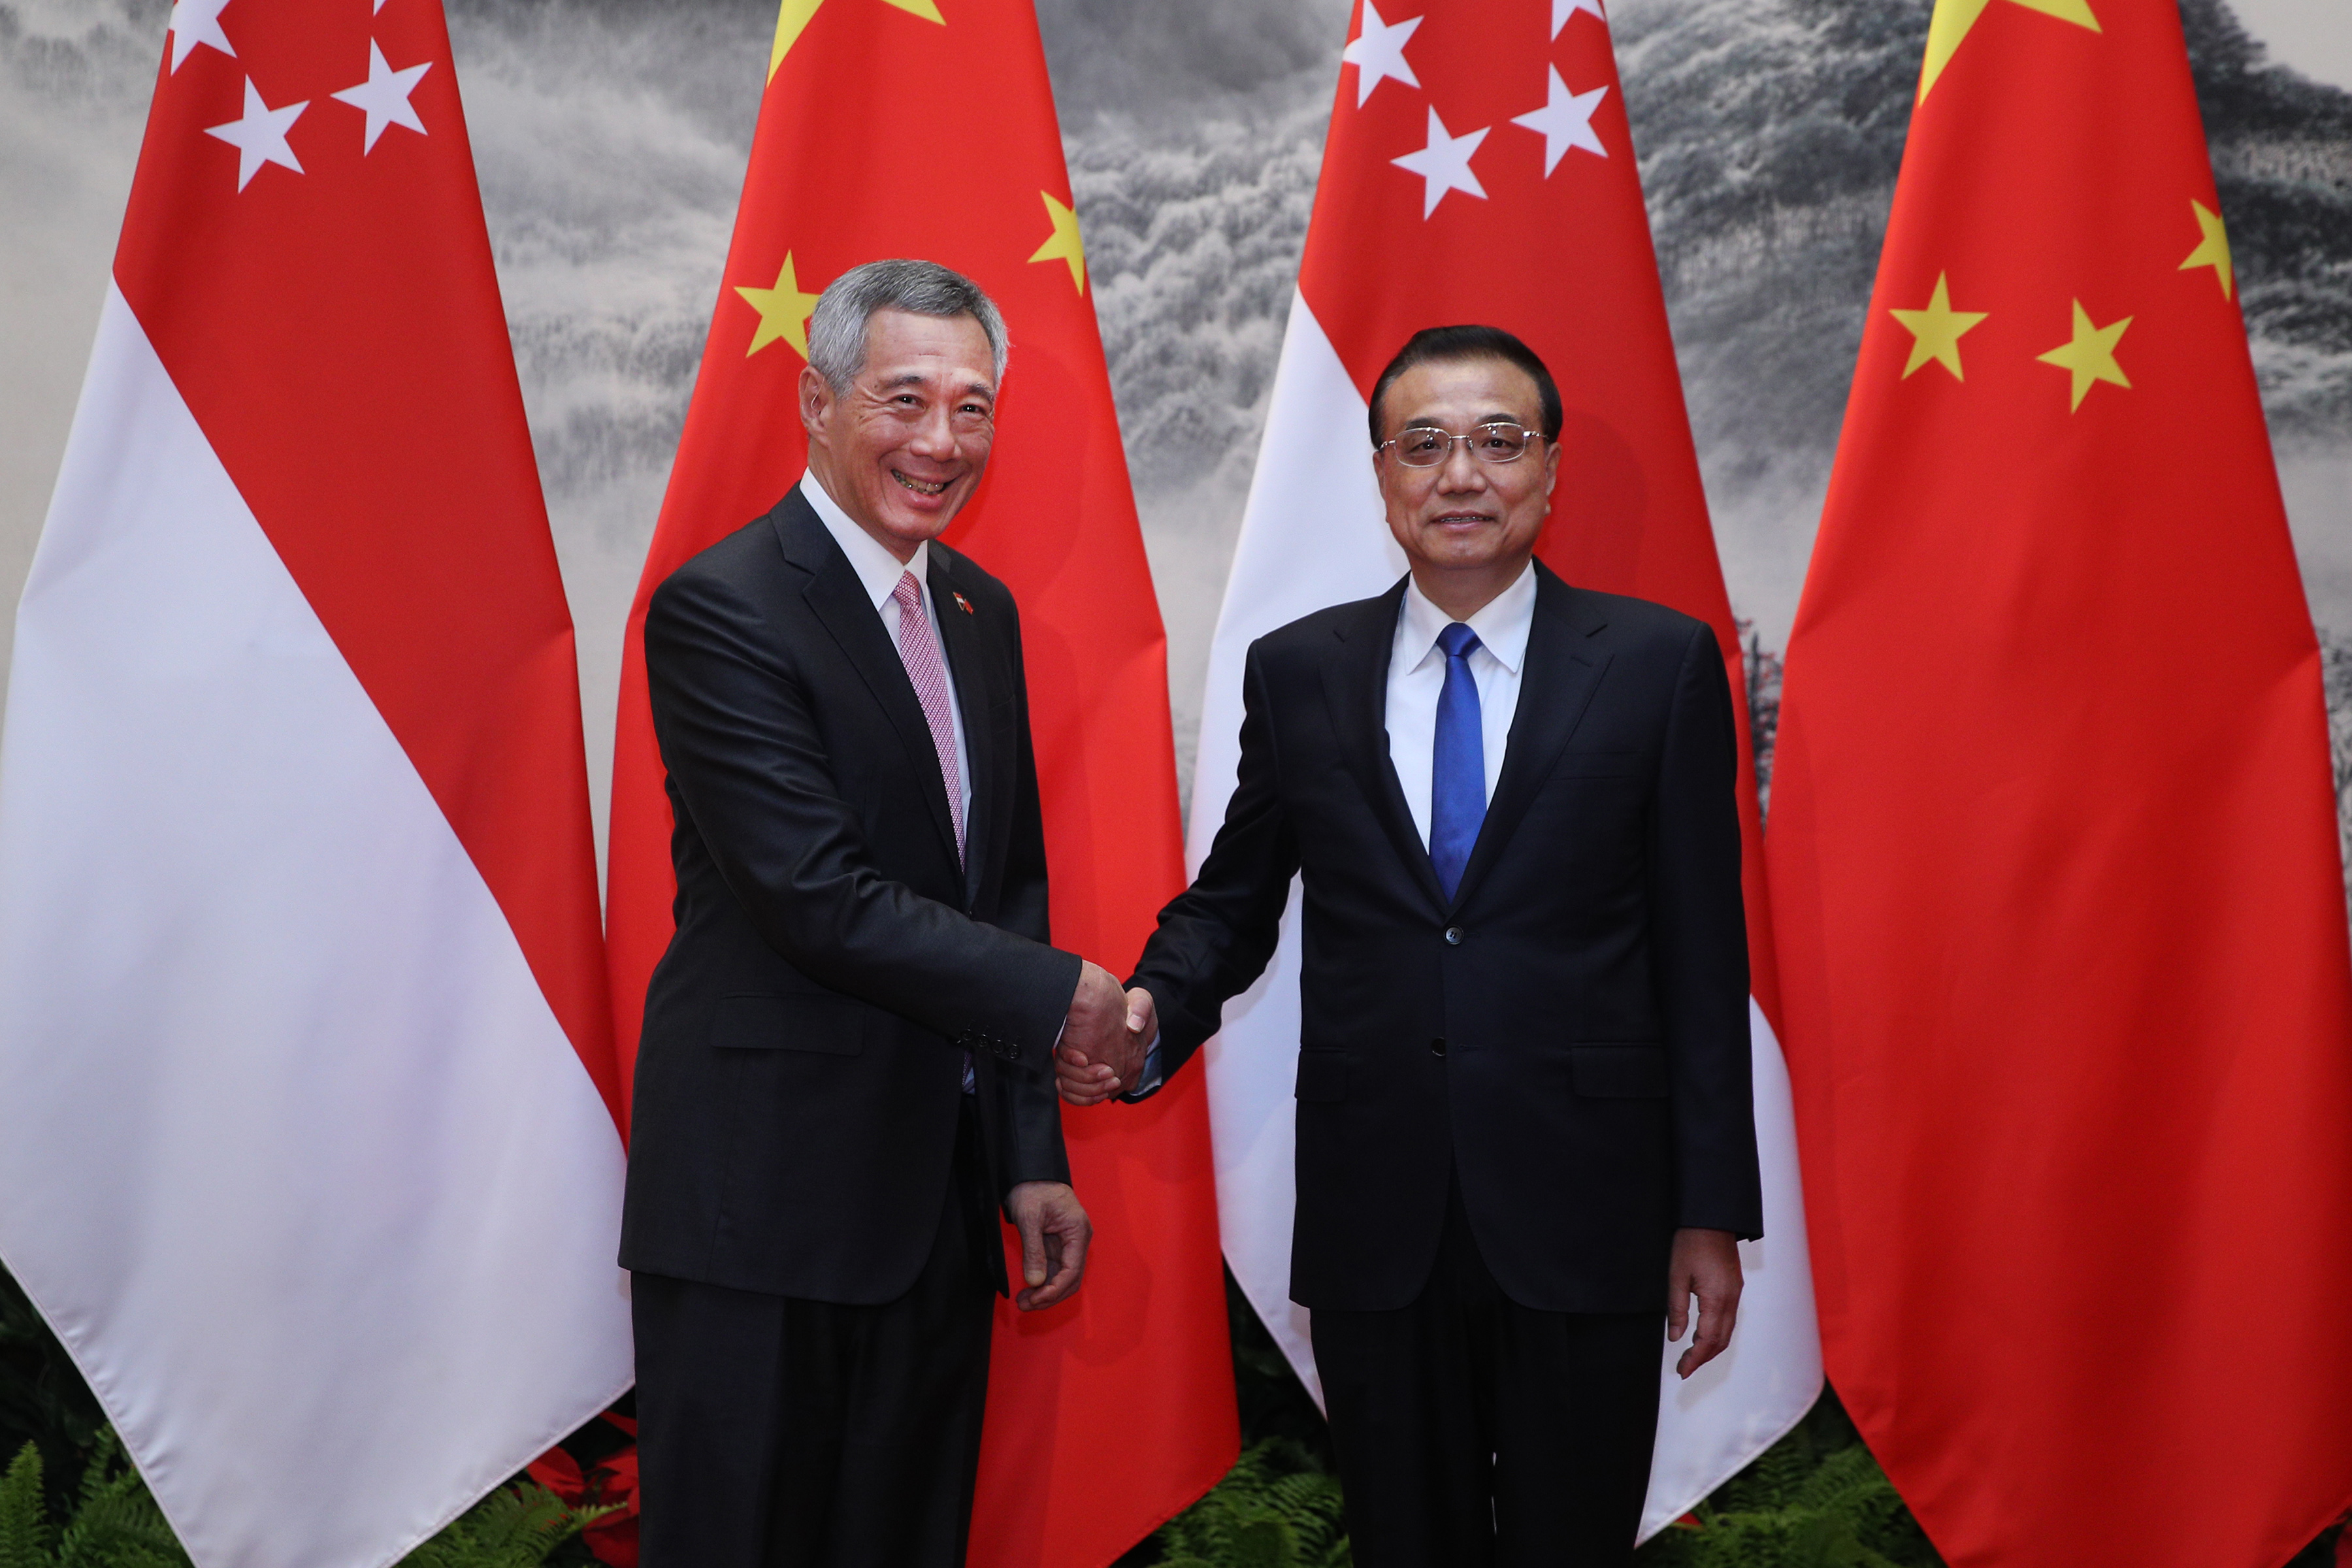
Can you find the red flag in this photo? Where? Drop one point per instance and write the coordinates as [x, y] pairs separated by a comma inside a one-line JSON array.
[[303, 1143], [2054, 847], [1480, 170], [904, 128]]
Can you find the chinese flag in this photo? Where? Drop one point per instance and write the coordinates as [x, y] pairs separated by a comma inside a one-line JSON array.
[[1480, 168], [2053, 849], [911, 128]]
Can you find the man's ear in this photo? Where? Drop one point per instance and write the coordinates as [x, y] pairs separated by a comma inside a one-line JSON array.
[[816, 402]]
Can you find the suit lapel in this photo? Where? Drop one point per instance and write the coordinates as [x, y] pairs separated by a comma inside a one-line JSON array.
[[968, 662], [839, 601], [1356, 685], [1562, 671]]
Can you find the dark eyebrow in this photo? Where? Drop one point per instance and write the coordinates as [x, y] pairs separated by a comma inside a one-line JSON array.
[[1433, 424], [915, 378]]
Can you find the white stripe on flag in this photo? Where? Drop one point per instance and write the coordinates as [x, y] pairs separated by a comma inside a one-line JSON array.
[[1747, 1398], [1313, 535], [293, 1153]]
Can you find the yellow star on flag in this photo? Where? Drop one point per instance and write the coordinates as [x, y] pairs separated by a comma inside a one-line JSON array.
[[1953, 19], [2213, 249], [1063, 244], [792, 16], [783, 312], [2089, 354], [1936, 331]]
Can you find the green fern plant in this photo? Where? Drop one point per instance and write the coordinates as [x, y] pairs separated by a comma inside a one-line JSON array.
[[115, 1522], [23, 1527], [519, 1526], [1814, 1500], [1274, 1509]]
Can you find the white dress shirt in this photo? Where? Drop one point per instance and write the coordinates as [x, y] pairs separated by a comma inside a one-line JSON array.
[[1417, 674], [879, 572]]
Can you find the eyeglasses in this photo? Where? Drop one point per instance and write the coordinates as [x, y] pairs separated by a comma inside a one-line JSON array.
[[1426, 447]]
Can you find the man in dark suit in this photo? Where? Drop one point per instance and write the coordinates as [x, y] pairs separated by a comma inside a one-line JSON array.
[[844, 1065], [1524, 1121]]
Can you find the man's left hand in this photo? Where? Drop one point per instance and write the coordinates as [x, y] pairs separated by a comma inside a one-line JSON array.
[[1055, 1232], [1705, 1265]]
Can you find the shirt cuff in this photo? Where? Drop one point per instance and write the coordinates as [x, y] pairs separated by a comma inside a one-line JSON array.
[[1155, 1072]]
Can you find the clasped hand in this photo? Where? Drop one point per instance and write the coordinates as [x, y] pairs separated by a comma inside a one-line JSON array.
[[1105, 1039]]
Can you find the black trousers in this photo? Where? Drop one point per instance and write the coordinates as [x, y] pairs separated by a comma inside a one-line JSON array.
[[779, 1433], [1472, 1431]]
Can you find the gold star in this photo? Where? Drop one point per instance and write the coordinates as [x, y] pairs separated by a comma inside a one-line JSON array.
[[2213, 249], [792, 16], [1063, 244], [783, 312], [1936, 331], [2089, 354], [1953, 18]]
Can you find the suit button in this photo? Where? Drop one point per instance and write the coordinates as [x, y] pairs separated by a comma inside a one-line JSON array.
[[1454, 936], [1437, 1047]]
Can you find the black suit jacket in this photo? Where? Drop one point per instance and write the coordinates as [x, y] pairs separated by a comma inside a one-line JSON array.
[[799, 1081], [1569, 1033]]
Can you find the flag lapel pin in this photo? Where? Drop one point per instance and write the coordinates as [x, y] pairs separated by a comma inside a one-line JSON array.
[[967, 604]]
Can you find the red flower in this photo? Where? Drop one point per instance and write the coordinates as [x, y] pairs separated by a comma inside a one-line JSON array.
[[612, 1482], [613, 1539], [559, 1472]]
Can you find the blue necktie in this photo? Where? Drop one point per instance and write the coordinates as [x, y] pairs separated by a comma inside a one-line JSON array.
[[1457, 774]]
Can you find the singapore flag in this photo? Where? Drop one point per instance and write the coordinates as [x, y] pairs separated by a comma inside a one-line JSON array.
[[305, 1142], [1479, 170]]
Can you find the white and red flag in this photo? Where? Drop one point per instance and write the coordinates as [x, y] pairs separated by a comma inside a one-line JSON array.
[[306, 1141], [1479, 169]]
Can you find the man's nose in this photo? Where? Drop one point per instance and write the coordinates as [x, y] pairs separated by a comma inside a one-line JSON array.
[[934, 433], [1461, 471]]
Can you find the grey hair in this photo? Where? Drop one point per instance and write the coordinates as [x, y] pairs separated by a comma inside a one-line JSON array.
[[837, 329]]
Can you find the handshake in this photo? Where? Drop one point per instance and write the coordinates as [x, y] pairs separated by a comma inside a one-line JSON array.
[[1103, 1040]]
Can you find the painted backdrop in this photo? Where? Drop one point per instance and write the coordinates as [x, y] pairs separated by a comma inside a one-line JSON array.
[[611, 136]]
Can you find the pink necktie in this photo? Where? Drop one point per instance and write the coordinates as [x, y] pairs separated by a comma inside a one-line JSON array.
[[919, 652]]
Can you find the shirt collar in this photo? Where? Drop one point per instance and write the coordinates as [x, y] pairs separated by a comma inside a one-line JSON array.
[[1502, 624], [877, 568]]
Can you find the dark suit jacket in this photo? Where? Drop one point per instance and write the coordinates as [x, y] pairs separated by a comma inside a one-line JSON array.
[[800, 1076], [1569, 1034]]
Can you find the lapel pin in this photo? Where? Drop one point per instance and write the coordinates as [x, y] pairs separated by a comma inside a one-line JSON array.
[[967, 604]]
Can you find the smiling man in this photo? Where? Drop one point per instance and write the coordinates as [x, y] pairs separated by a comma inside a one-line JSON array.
[[844, 1073], [1525, 1140]]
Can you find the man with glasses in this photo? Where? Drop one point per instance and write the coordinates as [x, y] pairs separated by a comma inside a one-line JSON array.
[[1524, 1128]]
